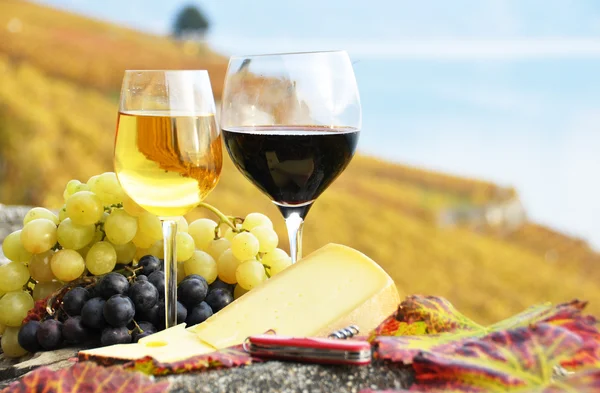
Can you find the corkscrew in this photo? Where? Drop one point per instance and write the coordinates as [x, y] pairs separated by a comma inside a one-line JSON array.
[[347, 332]]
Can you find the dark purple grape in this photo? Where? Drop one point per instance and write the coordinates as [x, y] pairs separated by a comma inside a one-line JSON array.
[[49, 334], [147, 329], [192, 292], [218, 299], [151, 315], [74, 331], [220, 284], [141, 277], [118, 311], [92, 313], [158, 280], [28, 336], [74, 300], [115, 335], [149, 264], [198, 314], [144, 295], [112, 284]]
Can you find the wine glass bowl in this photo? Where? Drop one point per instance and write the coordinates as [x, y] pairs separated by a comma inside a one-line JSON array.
[[168, 152], [168, 147], [291, 123]]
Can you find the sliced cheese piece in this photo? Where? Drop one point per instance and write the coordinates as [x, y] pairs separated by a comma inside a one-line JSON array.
[[170, 345], [331, 288]]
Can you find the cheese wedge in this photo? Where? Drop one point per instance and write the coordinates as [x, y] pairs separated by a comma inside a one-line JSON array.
[[332, 288]]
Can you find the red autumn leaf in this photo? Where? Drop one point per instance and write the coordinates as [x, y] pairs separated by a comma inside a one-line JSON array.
[[424, 323], [225, 358], [86, 377], [522, 360]]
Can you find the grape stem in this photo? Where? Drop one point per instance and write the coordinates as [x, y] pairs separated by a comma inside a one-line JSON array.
[[222, 217], [137, 326]]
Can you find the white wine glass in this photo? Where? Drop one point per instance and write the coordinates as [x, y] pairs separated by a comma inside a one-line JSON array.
[[168, 153], [291, 124]]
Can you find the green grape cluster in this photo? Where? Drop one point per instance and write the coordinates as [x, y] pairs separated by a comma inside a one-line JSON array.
[[100, 227], [246, 256]]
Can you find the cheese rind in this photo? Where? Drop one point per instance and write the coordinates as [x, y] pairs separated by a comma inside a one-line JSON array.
[[330, 289]]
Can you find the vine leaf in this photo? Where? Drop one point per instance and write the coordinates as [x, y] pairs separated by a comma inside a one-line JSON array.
[[428, 323], [86, 377], [520, 360]]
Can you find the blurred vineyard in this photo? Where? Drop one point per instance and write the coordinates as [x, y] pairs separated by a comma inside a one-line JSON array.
[[436, 234]]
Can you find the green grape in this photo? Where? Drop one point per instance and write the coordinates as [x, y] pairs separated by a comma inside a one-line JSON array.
[[149, 226], [13, 249], [73, 236], [244, 246], [2, 329], [203, 232], [98, 237], [101, 258], [182, 224], [142, 241], [253, 220], [38, 235], [185, 246], [10, 343], [132, 208], [13, 276], [83, 251], [67, 265], [277, 260], [92, 180], [202, 264], [267, 238], [39, 267], [250, 274], [44, 289], [217, 246], [40, 212], [230, 233], [238, 291], [62, 213], [226, 267], [125, 252], [157, 249], [84, 208], [14, 307], [72, 185], [108, 188], [120, 227], [140, 252]]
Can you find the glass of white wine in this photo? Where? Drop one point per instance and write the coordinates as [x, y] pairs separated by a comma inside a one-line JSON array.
[[168, 154]]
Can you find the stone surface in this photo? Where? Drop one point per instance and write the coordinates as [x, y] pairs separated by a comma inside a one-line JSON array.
[[272, 377]]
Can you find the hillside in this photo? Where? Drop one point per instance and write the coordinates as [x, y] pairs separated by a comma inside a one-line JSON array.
[[57, 120]]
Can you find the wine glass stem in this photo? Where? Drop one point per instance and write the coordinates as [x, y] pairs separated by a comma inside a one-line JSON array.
[[294, 222], [169, 228]]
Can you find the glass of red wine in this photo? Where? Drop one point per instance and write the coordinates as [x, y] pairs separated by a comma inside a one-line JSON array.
[[291, 123]]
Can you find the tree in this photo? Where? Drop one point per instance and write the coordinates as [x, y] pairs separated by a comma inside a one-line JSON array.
[[190, 21]]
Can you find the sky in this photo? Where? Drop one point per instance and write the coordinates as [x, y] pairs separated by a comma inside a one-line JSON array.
[[505, 90]]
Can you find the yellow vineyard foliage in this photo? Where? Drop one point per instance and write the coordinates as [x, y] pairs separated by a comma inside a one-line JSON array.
[[56, 124]]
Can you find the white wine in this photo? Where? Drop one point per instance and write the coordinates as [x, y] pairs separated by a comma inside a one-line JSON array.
[[167, 163]]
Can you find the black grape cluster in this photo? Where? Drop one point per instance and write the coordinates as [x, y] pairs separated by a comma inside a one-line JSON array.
[[120, 311]]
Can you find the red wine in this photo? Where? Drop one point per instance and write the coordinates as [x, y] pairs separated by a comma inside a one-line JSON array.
[[293, 165]]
